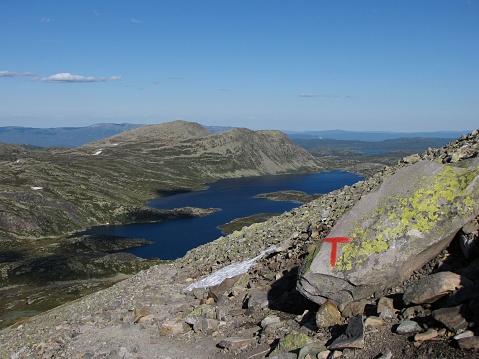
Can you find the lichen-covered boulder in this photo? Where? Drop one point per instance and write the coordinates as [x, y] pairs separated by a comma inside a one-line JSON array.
[[392, 231]]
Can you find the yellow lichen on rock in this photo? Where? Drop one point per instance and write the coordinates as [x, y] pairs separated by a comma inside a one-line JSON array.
[[441, 197]]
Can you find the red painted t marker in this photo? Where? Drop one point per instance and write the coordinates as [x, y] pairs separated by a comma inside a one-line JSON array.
[[334, 249]]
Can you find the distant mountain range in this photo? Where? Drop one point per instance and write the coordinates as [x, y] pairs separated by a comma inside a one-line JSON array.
[[78, 136], [371, 136], [62, 136]]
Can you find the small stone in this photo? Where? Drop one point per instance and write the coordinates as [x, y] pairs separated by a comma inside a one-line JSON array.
[[147, 320], [324, 354], [206, 325], [408, 327], [271, 323], [207, 301], [387, 314], [411, 312], [466, 334], [469, 343], [236, 343], [199, 293], [427, 335], [257, 299], [353, 337], [385, 303], [173, 327], [373, 321], [335, 354], [311, 350], [442, 332], [328, 315], [203, 311], [225, 286], [354, 308], [270, 319]]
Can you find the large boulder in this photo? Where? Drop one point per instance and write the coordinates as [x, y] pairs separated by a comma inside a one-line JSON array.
[[392, 231]]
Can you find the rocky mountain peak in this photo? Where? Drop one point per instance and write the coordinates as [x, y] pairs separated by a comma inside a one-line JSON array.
[[169, 132]]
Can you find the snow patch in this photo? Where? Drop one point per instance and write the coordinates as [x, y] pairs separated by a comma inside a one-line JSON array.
[[229, 271]]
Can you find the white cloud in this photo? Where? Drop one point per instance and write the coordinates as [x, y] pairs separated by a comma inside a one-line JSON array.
[[14, 74], [45, 19], [135, 21], [68, 77], [324, 96], [307, 95]]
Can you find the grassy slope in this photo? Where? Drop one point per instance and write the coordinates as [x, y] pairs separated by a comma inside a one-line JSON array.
[[80, 189]]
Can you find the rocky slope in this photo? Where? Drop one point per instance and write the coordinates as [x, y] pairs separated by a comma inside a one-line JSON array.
[[260, 313]]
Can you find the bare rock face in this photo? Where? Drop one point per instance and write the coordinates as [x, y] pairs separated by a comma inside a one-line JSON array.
[[392, 232]]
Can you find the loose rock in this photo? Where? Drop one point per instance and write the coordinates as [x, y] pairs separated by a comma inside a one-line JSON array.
[[353, 337], [407, 327], [452, 318], [328, 315], [434, 286]]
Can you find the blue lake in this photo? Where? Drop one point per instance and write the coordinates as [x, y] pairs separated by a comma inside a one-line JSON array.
[[236, 199]]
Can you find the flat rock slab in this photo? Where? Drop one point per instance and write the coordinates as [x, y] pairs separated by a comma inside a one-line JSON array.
[[453, 318], [427, 335], [432, 287], [392, 232], [236, 343]]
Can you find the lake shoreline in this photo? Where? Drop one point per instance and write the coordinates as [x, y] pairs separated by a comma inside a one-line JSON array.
[[236, 197]]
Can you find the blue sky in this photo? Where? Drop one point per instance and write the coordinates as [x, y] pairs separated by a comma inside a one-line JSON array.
[[386, 65]]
